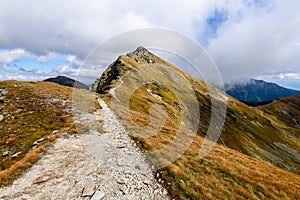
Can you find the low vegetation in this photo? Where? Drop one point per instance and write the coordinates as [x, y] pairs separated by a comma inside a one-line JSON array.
[[33, 115], [226, 173], [15, 170]]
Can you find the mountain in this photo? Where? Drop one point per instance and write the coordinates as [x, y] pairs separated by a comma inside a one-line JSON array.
[[257, 92], [63, 80], [239, 166]]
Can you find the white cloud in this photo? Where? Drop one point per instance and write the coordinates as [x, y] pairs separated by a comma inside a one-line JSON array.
[[285, 76], [64, 69], [9, 56], [286, 79], [260, 42], [132, 20], [73, 60], [48, 57], [16, 77], [256, 37]]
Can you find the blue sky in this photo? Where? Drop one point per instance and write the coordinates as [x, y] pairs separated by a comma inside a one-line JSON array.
[[246, 38]]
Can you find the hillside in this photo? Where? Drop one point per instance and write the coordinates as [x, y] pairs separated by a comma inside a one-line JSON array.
[[31, 114], [225, 172], [252, 91], [286, 113], [66, 81], [60, 161]]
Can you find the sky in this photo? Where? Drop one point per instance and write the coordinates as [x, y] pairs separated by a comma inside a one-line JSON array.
[[245, 38]]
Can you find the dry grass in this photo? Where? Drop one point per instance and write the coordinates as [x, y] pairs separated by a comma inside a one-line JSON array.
[[33, 110], [223, 174], [36, 110], [11, 141], [8, 175]]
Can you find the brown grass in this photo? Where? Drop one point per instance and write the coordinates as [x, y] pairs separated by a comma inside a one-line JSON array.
[[38, 112], [8, 175], [11, 141], [223, 174]]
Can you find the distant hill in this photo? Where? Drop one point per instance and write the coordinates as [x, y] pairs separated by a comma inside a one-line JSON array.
[[254, 92], [66, 81]]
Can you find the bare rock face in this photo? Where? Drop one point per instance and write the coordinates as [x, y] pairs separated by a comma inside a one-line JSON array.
[[118, 68], [110, 75]]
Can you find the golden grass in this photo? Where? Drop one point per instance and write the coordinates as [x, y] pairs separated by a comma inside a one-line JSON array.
[[8, 175], [34, 110], [228, 173], [223, 174]]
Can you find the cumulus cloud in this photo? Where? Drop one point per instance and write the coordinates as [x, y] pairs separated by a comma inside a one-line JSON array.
[[261, 41], [246, 38], [11, 55], [47, 57]]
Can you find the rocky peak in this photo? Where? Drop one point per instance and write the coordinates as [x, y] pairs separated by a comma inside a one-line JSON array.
[[138, 51], [142, 55], [142, 49], [119, 67]]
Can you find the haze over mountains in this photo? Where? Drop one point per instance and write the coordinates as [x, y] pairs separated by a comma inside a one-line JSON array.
[[259, 91]]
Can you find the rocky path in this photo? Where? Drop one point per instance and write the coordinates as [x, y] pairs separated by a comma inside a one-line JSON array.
[[89, 166]]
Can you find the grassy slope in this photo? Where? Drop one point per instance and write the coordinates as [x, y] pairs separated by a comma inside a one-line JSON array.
[[31, 111], [225, 173]]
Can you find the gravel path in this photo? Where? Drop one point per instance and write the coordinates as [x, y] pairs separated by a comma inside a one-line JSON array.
[[105, 163]]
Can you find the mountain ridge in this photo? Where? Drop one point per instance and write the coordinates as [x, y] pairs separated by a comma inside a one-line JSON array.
[[258, 91], [246, 132]]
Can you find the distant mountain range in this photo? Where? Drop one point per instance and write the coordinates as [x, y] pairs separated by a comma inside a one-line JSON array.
[[66, 81], [258, 92]]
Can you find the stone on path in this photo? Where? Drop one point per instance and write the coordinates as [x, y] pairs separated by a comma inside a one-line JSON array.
[[88, 190], [98, 195]]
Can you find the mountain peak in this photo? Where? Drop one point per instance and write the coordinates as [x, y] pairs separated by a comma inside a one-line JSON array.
[[142, 49], [139, 51], [119, 67], [142, 55]]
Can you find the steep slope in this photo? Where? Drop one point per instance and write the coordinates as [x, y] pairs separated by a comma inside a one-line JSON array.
[[224, 172], [252, 91], [66, 81], [285, 113], [30, 113]]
